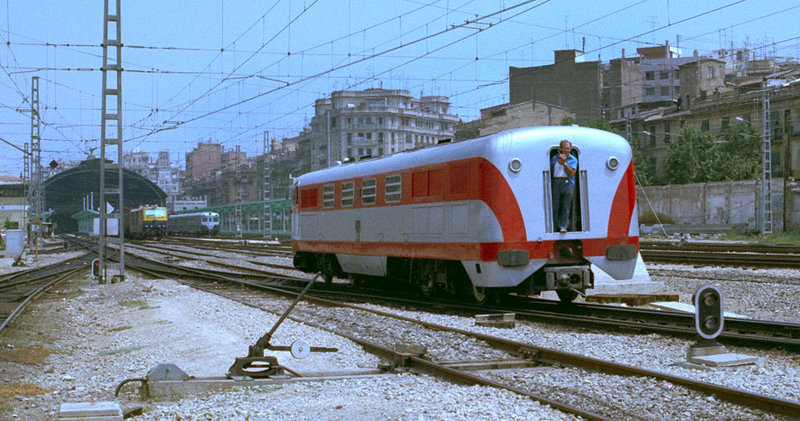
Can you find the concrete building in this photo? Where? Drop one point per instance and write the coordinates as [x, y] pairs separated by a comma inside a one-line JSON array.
[[622, 87], [661, 81], [531, 113], [204, 160], [701, 78], [375, 122], [178, 205], [12, 202], [653, 130], [160, 171], [229, 160], [568, 83]]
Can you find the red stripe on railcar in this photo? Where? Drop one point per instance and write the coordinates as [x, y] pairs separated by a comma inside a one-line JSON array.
[[485, 252], [619, 219]]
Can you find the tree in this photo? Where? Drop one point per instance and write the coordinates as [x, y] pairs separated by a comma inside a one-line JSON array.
[[690, 157], [738, 153], [568, 121]]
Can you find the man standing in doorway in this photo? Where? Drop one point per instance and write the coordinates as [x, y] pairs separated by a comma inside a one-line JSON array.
[[563, 166]]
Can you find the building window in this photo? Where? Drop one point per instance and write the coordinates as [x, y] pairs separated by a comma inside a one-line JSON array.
[[349, 138], [649, 91], [380, 151], [368, 191], [664, 91], [328, 196], [394, 188], [650, 75], [333, 122], [349, 152], [704, 125], [664, 74], [348, 193], [369, 136], [710, 71], [666, 132], [380, 121], [724, 123]]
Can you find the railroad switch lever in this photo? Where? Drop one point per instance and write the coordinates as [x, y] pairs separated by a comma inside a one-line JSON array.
[[257, 365]]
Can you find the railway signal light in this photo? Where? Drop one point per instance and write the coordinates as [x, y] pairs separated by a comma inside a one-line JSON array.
[[709, 317], [96, 268]]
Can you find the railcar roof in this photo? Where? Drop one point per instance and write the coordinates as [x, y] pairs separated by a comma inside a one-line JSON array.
[[585, 139]]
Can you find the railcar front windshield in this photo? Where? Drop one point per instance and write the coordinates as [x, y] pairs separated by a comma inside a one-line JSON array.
[[156, 213]]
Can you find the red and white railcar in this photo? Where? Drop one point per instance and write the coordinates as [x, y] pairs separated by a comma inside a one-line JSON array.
[[473, 215]]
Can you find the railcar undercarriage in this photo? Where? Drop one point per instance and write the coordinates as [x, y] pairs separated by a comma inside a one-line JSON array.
[[434, 276]]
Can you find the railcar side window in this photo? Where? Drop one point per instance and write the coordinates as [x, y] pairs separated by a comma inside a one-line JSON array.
[[328, 196], [308, 198], [394, 188], [348, 193], [368, 191]]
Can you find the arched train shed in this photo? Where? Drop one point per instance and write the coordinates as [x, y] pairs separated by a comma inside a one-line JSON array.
[[65, 192]]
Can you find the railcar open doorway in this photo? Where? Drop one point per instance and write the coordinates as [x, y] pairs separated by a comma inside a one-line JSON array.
[[578, 203]]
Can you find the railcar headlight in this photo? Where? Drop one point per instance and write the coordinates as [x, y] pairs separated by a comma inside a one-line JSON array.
[[515, 165], [612, 163]]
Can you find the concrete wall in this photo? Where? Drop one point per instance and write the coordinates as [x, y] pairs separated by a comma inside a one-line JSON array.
[[734, 203]]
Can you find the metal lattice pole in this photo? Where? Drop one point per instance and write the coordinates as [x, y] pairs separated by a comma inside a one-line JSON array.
[[266, 191], [766, 165], [239, 199], [27, 187], [35, 168], [111, 121]]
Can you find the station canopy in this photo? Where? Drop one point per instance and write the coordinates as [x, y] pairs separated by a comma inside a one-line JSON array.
[[64, 192]]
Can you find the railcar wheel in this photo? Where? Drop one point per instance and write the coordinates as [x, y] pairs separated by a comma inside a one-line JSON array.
[[566, 295], [479, 294]]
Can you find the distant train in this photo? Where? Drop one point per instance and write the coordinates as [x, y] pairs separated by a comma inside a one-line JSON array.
[[146, 222], [196, 223], [474, 216]]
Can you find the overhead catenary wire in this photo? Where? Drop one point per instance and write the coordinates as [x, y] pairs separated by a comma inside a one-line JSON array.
[[457, 93]]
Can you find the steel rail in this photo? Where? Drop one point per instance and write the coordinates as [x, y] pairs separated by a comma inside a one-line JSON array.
[[737, 331], [58, 277], [722, 258]]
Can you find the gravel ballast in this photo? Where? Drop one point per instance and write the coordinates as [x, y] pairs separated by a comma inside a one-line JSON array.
[[94, 336], [99, 335]]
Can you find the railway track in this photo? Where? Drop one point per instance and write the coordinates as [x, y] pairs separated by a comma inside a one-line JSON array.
[[713, 253], [18, 289], [748, 332], [253, 247], [457, 370]]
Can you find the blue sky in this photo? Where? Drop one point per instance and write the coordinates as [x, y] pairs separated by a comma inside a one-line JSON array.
[[230, 70]]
